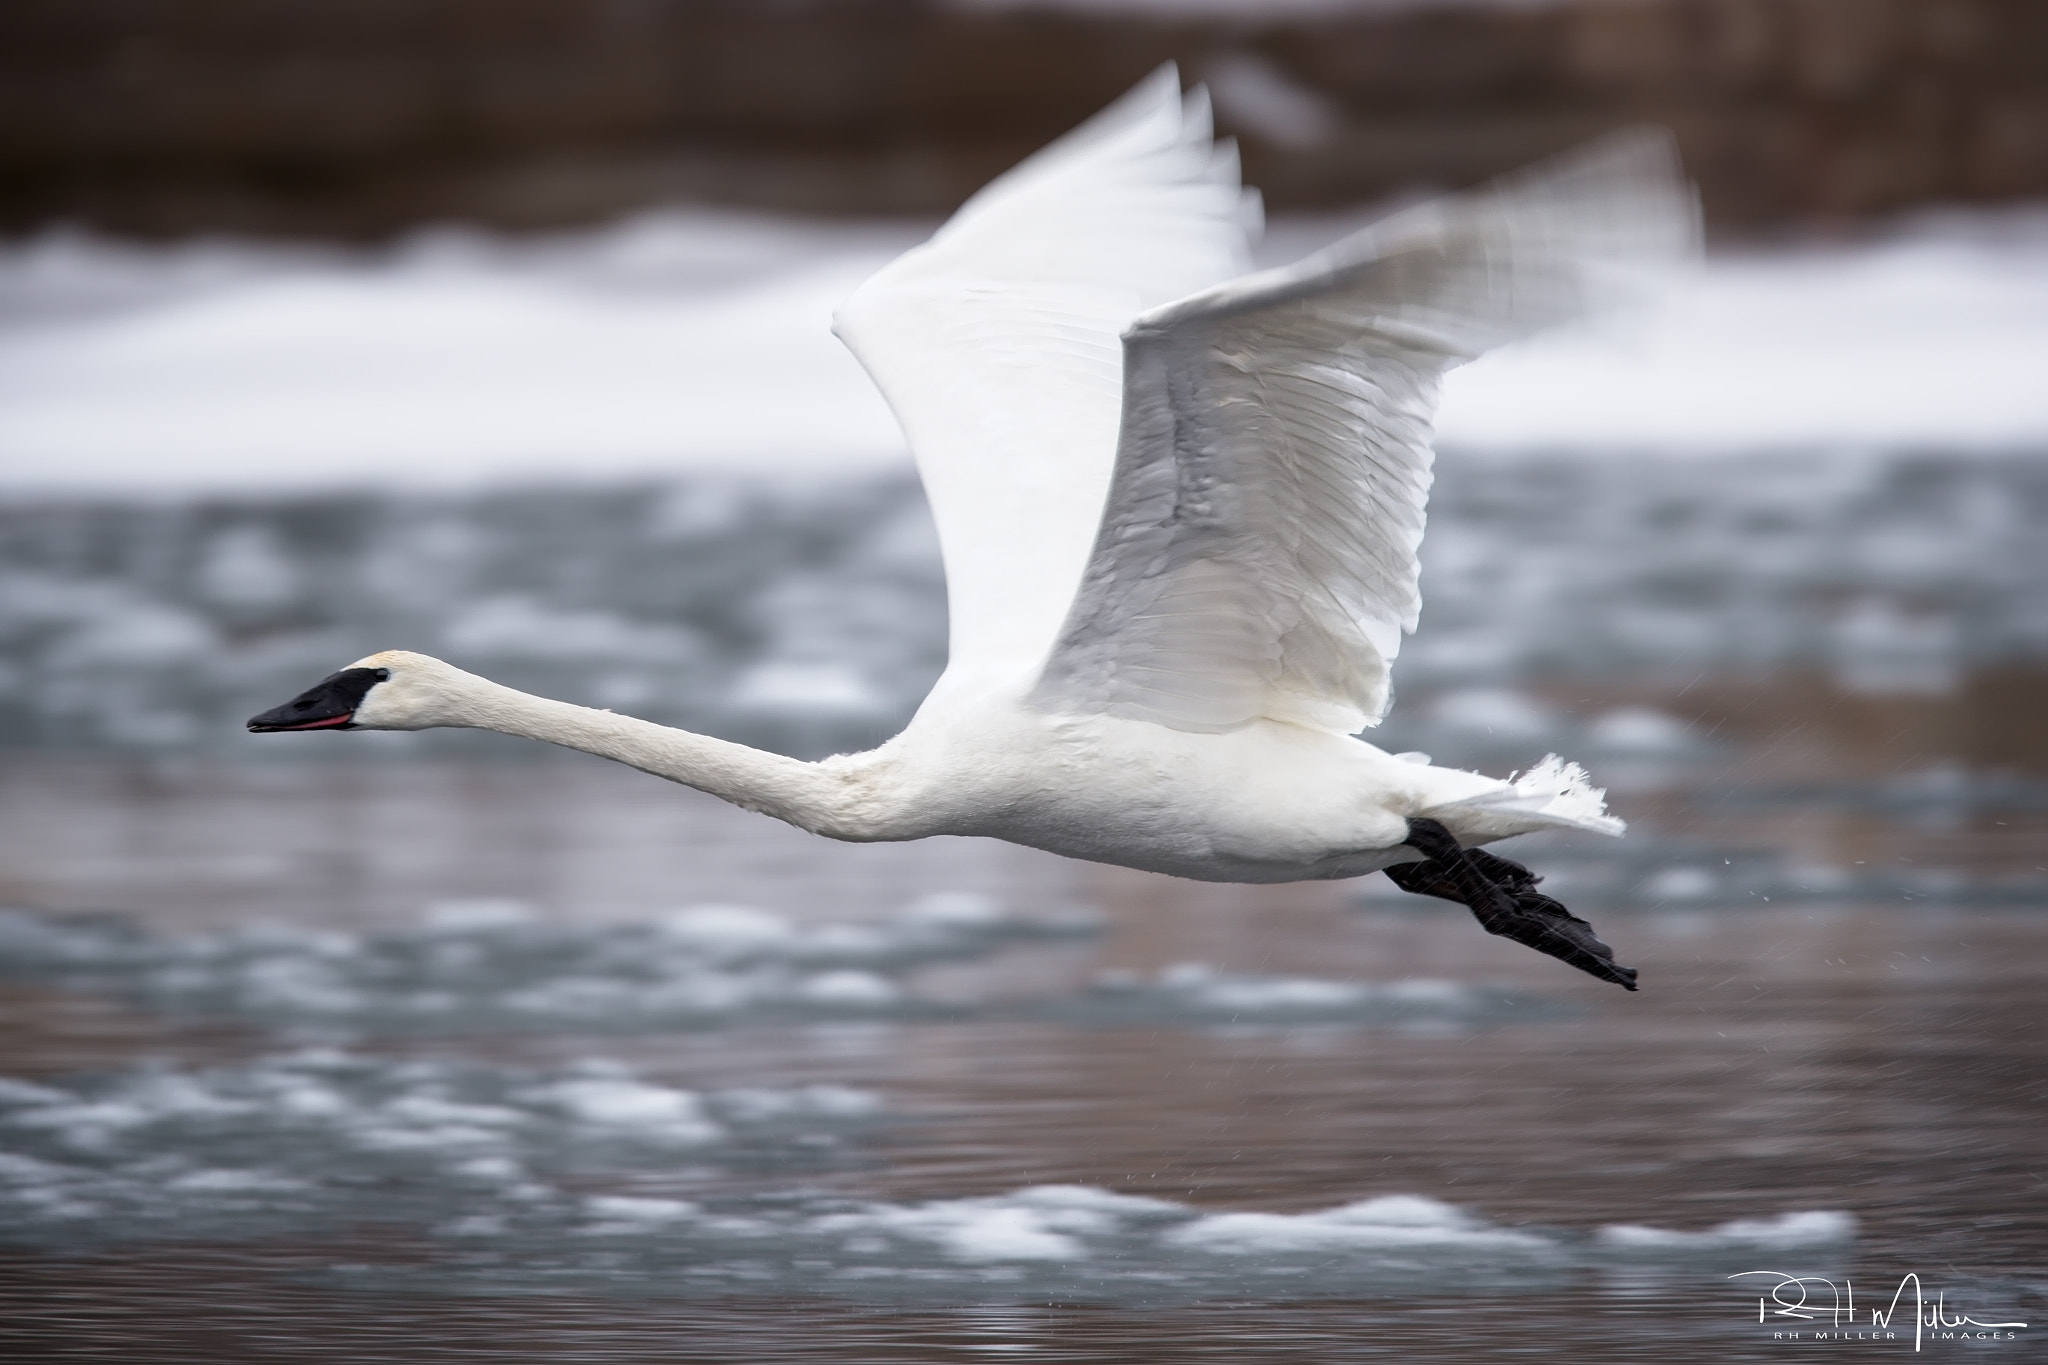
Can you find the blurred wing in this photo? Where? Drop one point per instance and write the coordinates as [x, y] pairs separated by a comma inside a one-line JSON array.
[[996, 343], [1257, 557]]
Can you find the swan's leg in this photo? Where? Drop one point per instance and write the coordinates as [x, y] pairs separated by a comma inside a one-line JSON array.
[[1503, 895]]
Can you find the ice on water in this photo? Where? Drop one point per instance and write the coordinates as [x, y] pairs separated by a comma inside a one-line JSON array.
[[299, 1139], [1199, 994], [592, 1174], [1815, 1227], [814, 619], [471, 964], [1871, 528]]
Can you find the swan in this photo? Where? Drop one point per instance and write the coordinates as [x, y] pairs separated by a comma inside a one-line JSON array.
[[1179, 505]]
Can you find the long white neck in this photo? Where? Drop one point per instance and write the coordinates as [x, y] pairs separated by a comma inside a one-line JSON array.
[[838, 797]]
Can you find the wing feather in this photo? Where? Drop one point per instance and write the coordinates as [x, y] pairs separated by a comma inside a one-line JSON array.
[[996, 343], [1257, 554]]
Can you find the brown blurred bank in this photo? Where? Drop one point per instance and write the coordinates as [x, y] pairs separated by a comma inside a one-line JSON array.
[[359, 118]]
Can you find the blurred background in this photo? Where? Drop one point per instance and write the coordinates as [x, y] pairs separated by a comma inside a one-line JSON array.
[[359, 121], [499, 329]]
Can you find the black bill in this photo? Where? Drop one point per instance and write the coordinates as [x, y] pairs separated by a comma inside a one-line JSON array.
[[329, 704]]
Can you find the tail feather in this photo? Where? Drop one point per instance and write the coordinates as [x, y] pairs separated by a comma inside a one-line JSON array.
[[1553, 793]]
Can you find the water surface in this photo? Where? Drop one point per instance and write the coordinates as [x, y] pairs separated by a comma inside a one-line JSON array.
[[543, 1060]]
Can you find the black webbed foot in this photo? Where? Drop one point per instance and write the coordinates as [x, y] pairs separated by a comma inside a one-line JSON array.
[[1503, 895]]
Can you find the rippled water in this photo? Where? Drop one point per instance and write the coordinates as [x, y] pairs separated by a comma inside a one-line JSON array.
[[499, 1060]]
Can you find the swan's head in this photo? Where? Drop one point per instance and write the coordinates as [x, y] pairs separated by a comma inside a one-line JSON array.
[[395, 690]]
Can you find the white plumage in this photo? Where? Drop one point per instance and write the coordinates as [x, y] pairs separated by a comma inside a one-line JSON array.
[[996, 343], [1179, 506]]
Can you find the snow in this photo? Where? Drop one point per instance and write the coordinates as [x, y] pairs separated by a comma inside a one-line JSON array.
[[693, 340], [450, 367], [1932, 340]]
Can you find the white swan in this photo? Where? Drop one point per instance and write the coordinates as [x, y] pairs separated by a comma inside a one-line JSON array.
[[1178, 568]]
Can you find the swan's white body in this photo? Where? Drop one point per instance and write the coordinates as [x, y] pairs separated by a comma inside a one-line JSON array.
[[1267, 802], [1179, 567]]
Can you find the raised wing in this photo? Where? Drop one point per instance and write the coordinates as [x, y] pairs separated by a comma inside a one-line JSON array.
[[997, 345], [1257, 556]]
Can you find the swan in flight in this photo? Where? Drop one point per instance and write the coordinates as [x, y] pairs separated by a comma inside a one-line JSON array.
[[1179, 505]]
